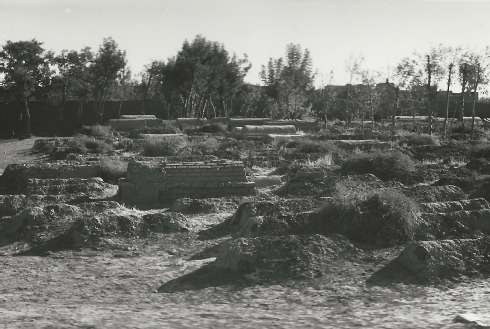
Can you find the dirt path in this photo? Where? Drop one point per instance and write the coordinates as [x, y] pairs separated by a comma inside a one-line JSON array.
[[15, 151], [99, 290]]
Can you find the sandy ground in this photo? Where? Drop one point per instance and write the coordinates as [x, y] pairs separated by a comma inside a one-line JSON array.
[[118, 290], [15, 151]]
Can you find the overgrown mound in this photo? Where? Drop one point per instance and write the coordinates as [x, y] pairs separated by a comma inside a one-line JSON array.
[[166, 128], [453, 225], [424, 193], [83, 144], [293, 256], [164, 147], [167, 222], [94, 188], [97, 131], [88, 224], [271, 217], [12, 204], [380, 218], [179, 146], [38, 225], [386, 166], [418, 139]]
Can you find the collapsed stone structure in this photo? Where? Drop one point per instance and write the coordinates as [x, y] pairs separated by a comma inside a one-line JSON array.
[[153, 182]]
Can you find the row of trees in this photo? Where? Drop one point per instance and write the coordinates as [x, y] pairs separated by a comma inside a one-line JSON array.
[[29, 72], [203, 80]]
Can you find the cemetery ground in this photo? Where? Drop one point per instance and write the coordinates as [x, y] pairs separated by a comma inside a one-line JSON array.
[[346, 229]]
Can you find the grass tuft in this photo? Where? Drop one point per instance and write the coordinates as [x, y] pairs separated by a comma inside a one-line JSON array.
[[85, 144], [380, 218], [113, 169], [419, 139], [385, 166], [97, 131]]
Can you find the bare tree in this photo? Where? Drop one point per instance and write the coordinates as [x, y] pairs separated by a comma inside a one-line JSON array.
[[352, 67]]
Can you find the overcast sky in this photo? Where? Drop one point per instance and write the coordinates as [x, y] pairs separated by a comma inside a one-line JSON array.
[[384, 31]]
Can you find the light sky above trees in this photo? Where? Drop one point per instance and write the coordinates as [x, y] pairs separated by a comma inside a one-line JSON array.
[[383, 31]]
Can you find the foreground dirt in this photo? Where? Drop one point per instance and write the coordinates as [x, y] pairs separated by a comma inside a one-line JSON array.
[[117, 289]]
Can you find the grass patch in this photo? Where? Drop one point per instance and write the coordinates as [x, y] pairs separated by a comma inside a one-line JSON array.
[[418, 139], [85, 144], [96, 131], [385, 166], [379, 218], [163, 147], [113, 169], [306, 145], [207, 146]]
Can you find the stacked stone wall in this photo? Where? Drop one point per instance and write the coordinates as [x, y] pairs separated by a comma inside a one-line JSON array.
[[150, 182]]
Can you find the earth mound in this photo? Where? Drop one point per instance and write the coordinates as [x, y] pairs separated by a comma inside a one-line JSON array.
[[12, 204], [295, 256], [424, 193], [453, 225], [63, 226], [267, 218], [450, 206], [194, 206], [167, 222], [447, 259], [38, 225], [94, 187]]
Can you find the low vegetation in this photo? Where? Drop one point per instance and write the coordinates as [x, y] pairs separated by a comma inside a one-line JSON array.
[[163, 147], [306, 145], [179, 145], [418, 139], [166, 128], [378, 218], [84, 144], [97, 131], [385, 166]]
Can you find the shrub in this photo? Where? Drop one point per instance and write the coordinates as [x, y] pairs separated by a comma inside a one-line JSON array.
[[385, 166], [479, 151], [419, 139], [211, 128], [163, 147], [166, 128], [96, 131], [84, 144], [113, 169], [379, 218]]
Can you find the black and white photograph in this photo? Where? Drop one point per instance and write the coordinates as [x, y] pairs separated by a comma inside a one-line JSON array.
[[244, 164]]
